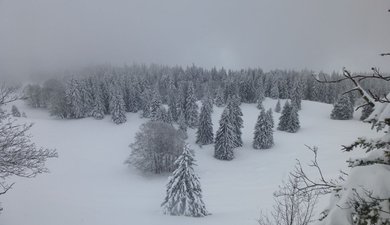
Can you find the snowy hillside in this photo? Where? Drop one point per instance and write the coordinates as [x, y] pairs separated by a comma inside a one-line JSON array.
[[90, 184]]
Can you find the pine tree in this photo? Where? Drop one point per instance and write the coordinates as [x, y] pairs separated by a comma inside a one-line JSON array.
[[155, 106], [270, 116], [146, 97], [296, 96], [184, 193], [236, 116], [15, 111], [343, 109], [204, 135], [260, 99], [263, 138], [219, 98], [98, 107], [225, 138], [293, 124], [366, 112], [284, 117], [191, 108], [277, 107], [117, 107], [274, 92], [74, 99]]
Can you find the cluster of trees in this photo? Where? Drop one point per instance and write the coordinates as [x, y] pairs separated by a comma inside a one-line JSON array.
[[107, 90]]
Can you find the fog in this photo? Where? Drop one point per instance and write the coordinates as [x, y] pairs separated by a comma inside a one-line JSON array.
[[39, 35]]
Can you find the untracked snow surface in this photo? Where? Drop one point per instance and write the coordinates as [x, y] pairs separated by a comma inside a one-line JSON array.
[[90, 184]]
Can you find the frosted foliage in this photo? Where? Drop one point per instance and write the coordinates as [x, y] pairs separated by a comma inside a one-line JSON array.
[[157, 145], [263, 136], [184, 193], [343, 109]]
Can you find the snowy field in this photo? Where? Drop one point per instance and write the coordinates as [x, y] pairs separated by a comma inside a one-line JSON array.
[[89, 183]]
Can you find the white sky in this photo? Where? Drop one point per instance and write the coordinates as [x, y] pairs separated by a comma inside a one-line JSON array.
[[287, 34]]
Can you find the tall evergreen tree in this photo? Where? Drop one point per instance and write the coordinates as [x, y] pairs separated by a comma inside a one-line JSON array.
[[98, 106], [263, 136], [236, 116], [219, 98], [74, 99], [225, 138], [204, 134], [293, 124], [184, 193], [343, 109], [278, 107], [191, 108], [284, 117], [117, 107], [296, 96], [15, 111], [155, 106], [270, 116]]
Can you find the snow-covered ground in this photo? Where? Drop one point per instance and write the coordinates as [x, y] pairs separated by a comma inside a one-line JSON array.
[[90, 184]]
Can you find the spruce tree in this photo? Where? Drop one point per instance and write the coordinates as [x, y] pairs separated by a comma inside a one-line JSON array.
[[278, 107], [219, 98], [98, 106], [260, 99], [343, 109], [155, 106], [191, 108], [204, 134], [117, 107], [270, 116], [225, 138], [15, 111], [236, 118], [284, 117], [296, 97], [263, 136], [184, 193], [293, 124]]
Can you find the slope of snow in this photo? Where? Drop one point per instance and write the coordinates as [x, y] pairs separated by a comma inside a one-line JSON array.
[[89, 183]]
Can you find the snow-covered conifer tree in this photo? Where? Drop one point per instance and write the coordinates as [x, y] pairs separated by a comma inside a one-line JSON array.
[[204, 134], [236, 116], [219, 98], [284, 117], [15, 111], [343, 109], [184, 193], [98, 107], [117, 107], [191, 108], [74, 99], [225, 138], [270, 116], [155, 105], [296, 95], [263, 138], [293, 124]]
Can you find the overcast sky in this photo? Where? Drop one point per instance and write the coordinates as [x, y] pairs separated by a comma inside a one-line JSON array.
[[287, 34]]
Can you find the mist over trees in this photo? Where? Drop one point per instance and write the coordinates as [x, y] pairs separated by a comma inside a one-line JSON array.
[[89, 92]]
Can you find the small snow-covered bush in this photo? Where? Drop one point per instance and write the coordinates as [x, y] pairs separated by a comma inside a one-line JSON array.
[[157, 145]]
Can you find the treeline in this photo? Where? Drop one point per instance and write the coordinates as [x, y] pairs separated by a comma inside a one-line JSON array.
[[108, 90]]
